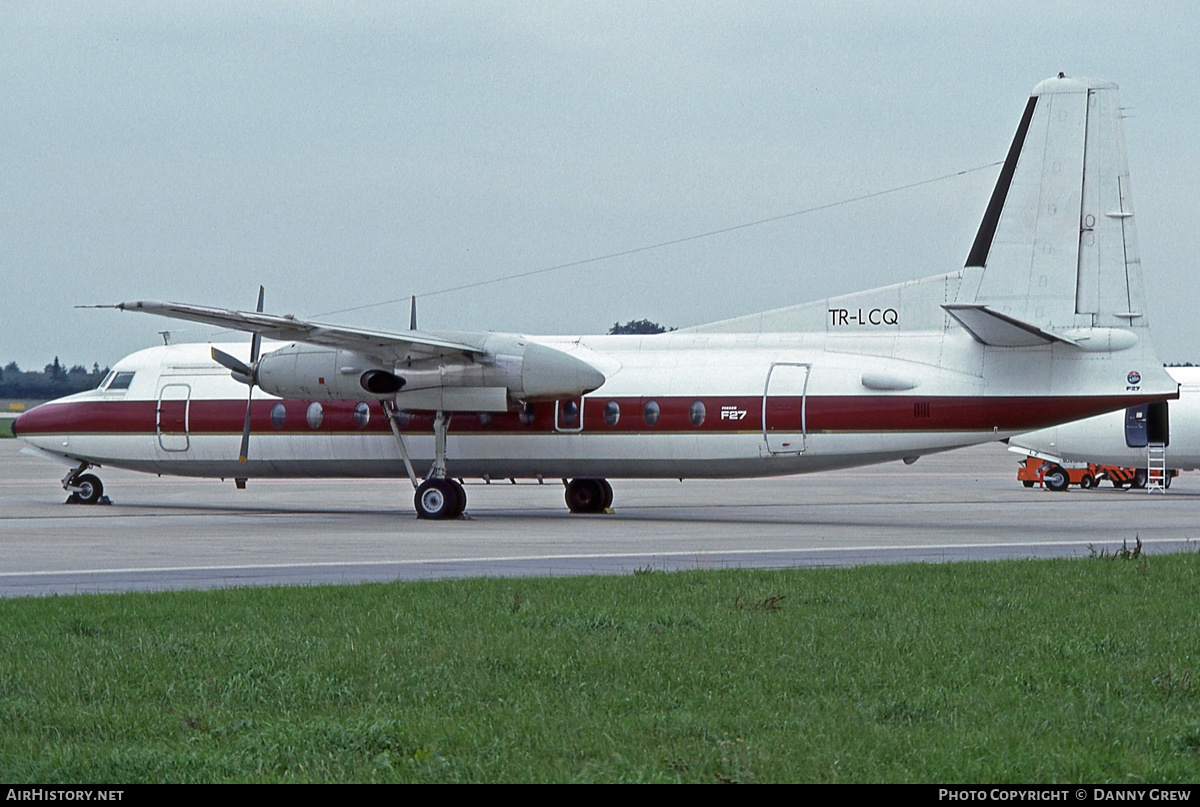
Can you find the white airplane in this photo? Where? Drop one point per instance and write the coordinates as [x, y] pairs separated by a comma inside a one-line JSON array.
[[1045, 324], [1124, 437]]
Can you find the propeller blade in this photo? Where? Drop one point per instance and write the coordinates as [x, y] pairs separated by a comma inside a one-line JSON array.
[[245, 452], [248, 373], [412, 314], [234, 364], [256, 340]]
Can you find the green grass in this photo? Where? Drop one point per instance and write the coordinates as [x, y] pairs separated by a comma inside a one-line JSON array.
[[6, 427], [1032, 671]]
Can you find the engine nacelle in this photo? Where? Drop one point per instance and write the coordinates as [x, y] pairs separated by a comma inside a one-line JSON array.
[[512, 370], [325, 374]]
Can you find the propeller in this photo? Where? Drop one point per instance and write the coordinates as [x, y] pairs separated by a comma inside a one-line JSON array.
[[245, 373]]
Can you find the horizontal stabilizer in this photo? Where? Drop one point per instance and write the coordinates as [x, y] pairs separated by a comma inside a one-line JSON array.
[[992, 328]]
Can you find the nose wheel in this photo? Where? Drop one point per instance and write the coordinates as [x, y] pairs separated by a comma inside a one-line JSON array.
[[84, 488]]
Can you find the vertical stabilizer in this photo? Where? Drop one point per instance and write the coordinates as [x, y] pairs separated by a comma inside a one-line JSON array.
[[1057, 243]]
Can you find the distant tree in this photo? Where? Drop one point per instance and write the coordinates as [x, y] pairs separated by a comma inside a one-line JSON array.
[[53, 381], [643, 326]]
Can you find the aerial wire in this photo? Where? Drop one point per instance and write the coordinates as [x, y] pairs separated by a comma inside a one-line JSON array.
[[662, 244]]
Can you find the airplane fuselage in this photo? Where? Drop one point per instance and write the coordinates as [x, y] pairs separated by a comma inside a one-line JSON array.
[[673, 405]]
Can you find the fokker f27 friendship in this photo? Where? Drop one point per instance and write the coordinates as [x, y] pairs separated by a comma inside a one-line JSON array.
[[1046, 323]]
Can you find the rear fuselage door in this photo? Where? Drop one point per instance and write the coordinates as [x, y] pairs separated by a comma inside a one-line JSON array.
[[171, 419], [1135, 427], [784, 415], [1148, 423]]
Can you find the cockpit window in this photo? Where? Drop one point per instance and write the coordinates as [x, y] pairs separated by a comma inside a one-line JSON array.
[[103, 384], [121, 381]]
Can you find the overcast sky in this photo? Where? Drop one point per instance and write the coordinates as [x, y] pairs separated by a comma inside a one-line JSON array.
[[343, 154]]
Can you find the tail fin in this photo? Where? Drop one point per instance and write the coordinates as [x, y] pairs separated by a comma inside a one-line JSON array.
[[1057, 245], [1055, 259]]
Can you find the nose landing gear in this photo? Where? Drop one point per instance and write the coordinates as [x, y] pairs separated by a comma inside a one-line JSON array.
[[84, 488]]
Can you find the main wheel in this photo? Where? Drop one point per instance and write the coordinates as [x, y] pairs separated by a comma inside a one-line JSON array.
[[90, 489], [608, 493], [587, 495], [462, 498], [440, 499], [1056, 478]]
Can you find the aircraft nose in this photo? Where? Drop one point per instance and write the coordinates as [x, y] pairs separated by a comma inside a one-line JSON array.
[[42, 419]]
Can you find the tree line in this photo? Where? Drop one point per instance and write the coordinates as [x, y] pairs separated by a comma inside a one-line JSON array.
[[52, 381]]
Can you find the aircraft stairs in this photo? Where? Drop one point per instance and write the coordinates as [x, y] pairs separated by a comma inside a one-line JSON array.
[[1156, 468]]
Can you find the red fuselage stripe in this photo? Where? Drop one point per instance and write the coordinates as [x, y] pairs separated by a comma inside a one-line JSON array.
[[820, 413]]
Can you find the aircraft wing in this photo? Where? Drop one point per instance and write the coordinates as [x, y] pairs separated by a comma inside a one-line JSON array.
[[288, 328]]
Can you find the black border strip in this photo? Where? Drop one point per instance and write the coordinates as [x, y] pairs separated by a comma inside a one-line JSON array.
[[991, 217]]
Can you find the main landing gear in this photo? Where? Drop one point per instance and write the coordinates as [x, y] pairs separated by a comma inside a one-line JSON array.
[[84, 488], [588, 495], [440, 497]]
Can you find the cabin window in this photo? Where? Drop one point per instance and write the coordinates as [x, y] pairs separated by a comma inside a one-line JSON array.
[[121, 381], [362, 414], [527, 414], [314, 415], [485, 418], [696, 413], [568, 414], [278, 415], [651, 413], [612, 413]]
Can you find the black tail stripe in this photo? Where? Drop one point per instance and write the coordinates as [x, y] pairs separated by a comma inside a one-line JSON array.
[[991, 217]]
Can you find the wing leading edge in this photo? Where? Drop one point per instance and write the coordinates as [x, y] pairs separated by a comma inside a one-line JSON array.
[[288, 328]]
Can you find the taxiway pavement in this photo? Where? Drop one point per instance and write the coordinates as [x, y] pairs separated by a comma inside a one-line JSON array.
[[165, 533]]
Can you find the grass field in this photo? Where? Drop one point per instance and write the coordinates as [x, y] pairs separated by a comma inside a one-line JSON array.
[[6, 427], [1035, 671]]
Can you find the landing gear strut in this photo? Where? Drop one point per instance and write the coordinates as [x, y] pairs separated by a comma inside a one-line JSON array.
[[589, 495], [439, 497]]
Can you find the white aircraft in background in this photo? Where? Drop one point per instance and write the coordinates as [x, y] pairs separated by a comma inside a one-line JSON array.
[[1045, 324], [1126, 437]]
